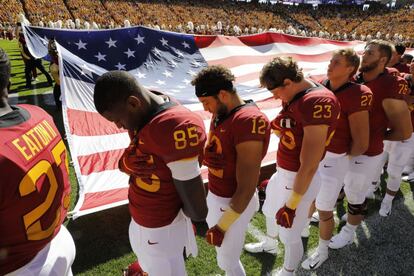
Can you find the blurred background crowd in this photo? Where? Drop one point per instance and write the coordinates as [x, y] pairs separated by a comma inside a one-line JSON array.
[[340, 22]]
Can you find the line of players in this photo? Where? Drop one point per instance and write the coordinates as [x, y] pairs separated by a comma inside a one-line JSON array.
[[166, 188], [375, 107]]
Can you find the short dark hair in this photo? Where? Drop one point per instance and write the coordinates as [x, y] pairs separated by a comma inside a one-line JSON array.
[[5, 70], [212, 79], [385, 48], [407, 57], [400, 48], [276, 71], [112, 88]]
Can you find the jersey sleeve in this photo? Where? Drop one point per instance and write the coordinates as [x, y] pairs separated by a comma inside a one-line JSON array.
[[250, 126], [179, 138], [318, 110], [397, 88], [360, 99]]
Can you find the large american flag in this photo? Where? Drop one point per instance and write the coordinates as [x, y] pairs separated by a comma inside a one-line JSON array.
[[162, 61]]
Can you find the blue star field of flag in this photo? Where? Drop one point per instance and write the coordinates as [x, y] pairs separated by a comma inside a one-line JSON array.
[[160, 60], [164, 61]]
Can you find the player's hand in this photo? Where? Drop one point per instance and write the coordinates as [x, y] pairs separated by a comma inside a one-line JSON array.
[[215, 236], [213, 160], [285, 216], [134, 162]]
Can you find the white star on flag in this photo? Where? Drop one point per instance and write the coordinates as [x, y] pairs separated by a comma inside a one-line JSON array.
[[185, 44], [111, 43], [164, 42], [140, 39], [191, 72], [156, 51], [196, 63], [160, 82], [179, 53], [167, 74], [141, 75], [120, 66], [86, 71], [172, 63], [81, 45], [130, 53], [100, 56]]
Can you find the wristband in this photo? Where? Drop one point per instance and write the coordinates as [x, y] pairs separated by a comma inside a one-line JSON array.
[[227, 219], [293, 200]]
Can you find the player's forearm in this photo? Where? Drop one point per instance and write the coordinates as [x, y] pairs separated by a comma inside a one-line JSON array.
[[192, 194], [402, 132], [358, 147], [304, 177], [247, 178]]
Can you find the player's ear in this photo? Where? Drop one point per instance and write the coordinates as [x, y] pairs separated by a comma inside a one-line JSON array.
[[222, 95], [133, 103], [287, 82]]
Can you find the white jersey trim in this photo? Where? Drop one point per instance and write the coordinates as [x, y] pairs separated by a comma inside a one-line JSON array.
[[185, 169]]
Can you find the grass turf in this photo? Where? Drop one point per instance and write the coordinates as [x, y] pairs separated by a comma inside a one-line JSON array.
[[102, 238]]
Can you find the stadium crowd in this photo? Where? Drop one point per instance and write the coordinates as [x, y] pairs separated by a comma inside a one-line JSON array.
[[342, 22]]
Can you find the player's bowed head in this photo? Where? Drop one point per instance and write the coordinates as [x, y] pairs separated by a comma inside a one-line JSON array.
[[121, 99]]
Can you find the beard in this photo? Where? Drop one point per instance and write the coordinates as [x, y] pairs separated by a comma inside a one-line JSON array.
[[222, 110], [369, 67]]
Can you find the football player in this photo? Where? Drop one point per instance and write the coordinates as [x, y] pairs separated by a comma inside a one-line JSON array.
[[396, 59], [306, 124], [165, 186], [238, 141], [400, 153], [389, 109], [351, 139], [34, 190]]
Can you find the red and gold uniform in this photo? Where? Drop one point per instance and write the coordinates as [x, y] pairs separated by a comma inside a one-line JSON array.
[[315, 106], [173, 133], [159, 230], [400, 152], [385, 86], [245, 123], [333, 168], [353, 98], [402, 68], [34, 190], [409, 79], [365, 169]]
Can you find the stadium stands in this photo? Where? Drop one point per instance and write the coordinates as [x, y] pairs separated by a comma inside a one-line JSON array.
[[331, 21]]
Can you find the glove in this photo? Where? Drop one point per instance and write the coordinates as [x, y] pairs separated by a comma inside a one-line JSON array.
[[134, 162], [213, 160], [134, 269], [285, 216], [215, 236]]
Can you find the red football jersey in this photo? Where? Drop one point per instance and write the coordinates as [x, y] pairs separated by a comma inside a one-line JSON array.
[[35, 189], [402, 68], [174, 133], [409, 79], [392, 71], [353, 98], [244, 123], [385, 86], [315, 106]]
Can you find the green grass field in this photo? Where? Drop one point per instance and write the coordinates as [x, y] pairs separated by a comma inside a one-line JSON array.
[[102, 238]]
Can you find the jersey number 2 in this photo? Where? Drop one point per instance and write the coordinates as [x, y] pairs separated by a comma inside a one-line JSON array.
[[34, 230]]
